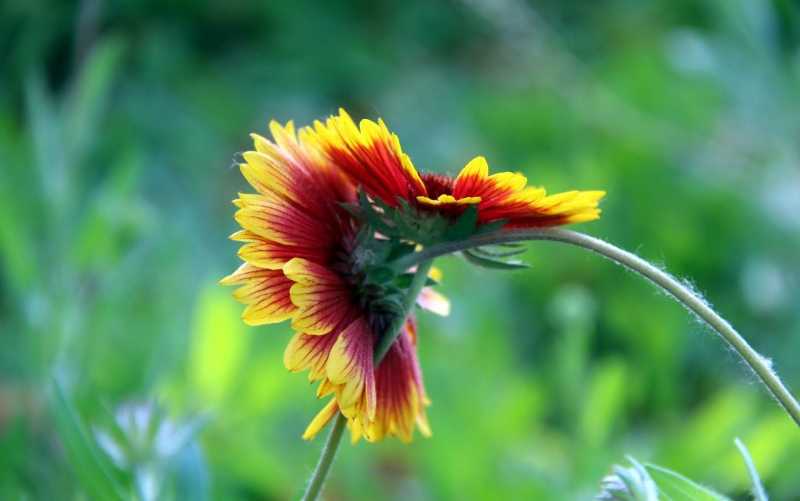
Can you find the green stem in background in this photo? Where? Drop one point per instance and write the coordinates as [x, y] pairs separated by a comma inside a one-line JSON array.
[[760, 365], [326, 459], [758, 489], [337, 432]]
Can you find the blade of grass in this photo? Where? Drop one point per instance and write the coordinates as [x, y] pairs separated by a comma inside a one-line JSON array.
[[758, 489], [85, 459]]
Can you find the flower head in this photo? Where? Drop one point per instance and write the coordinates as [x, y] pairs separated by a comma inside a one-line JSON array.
[[371, 156], [308, 260], [337, 208]]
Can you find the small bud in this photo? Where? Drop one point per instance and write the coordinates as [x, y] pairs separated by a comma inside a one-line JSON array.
[[628, 484]]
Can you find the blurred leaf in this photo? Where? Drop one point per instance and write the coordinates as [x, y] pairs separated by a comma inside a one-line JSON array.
[[676, 487], [16, 245], [604, 403], [193, 477], [88, 462], [485, 262], [183, 434], [49, 149], [84, 110]]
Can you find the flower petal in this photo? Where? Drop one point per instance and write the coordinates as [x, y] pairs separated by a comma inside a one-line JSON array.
[[321, 297], [325, 388], [475, 181], [563, 208], [242, 275], [272, 255], [284, 223], [449, 200], [350, 366], [371, 156], [309, 352], [245, 236], [266, 292], [434, 302], [400, 393], [321, 420]]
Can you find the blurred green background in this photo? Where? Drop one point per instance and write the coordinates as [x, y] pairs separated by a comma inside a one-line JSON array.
[[119, 127]]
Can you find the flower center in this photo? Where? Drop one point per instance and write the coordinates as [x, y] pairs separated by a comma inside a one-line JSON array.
[[437, 184]]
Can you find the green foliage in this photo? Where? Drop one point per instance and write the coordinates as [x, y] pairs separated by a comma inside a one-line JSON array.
[[653, 483], [674, 486], [90, 465]]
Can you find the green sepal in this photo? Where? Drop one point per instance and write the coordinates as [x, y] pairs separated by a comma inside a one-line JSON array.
[[485, 262], [394, 304], [484, 251], [355, 210], [490, 227], [380, 274], [439, 225], [465, 226], [400, 250], [373, 217], [383, 205], [404, 205], [405, 230], [404, 281]]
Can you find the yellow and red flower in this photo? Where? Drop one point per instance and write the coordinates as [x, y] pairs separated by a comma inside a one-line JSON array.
[[317, 253], [301, 264], [371, 156]]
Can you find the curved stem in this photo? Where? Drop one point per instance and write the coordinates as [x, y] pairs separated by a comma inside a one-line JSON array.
[[337, 432], [758, 489], [326, 459], [760, 365]]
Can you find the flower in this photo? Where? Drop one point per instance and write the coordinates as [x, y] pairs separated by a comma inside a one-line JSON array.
[[336, 206], [371, 156], [308, 260]]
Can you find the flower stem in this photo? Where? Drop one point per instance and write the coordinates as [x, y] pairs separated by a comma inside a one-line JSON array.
[[326, 459], [337, 432], [760, 365], [417, 283]]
